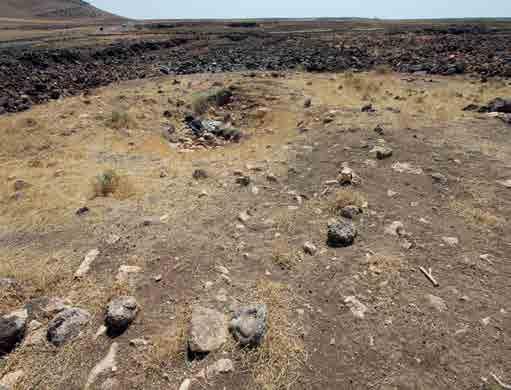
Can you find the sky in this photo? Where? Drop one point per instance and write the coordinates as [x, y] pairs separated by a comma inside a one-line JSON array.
[[392, 9]]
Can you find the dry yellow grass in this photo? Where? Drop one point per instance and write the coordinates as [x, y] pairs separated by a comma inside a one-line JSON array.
[[277, 363], [475, 215], [348, 197]]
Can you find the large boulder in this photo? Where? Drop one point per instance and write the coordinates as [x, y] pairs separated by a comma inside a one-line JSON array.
[[208, 330], [67, 325], [249, 325], [120, 313], [12, 330]]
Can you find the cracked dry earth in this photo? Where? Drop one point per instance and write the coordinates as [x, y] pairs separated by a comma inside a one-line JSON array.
[[359, 317]]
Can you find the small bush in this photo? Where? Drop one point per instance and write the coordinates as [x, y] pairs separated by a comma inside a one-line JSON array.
[[120, 120], [106, 183]]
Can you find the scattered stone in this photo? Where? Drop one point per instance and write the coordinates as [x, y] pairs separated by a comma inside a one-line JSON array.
[[10, 380], [407, 168], [351, 211], [208, 330], [200, 174], [244, 217], [379, 130], [307, 103], [498, 105], [158, 278], [358, 309], [8, 284], [67, 325], [439, 178], [436, 302], [120, 313], [186, 385], [381, 152], [109, 363], [271, 178], [486, 321], [396, 228], [243, 180], [249, 325], [341, 234], [346, 176], [222, 366], [391, 193], [86, 264], [12, 330], [82, 211], [310, 248], [451, 241], [368, 108], [20, 185]]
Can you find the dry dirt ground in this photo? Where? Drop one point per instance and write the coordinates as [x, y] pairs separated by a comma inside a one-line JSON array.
[[412, 335]]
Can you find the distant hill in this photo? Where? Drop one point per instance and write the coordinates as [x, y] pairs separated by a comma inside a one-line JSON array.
[[51, 9]]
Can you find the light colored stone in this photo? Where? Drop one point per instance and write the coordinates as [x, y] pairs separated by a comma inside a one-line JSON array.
[[451, 241], [249, 324], [120, 313], [36, 334], [407, 168], [108, 363], [111, 384], [505, 183], [243, 217], [357, 308], [396, 228], [310, 248], [67, 325], [208, 330], [346, 176], [222, 366], [86, 263], [436, 302]]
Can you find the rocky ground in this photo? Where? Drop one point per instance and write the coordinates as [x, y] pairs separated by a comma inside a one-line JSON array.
[[266, 230], [31, 75]]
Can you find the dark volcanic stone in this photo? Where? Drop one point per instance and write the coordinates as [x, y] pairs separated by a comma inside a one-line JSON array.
[[341, 234]]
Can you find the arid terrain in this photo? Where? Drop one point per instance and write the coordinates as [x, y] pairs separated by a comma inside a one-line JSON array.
[[269, 205]]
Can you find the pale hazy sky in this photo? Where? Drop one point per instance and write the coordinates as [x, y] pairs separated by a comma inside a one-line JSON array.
[[194, 9]]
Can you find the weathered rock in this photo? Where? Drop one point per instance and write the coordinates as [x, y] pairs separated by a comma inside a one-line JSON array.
[[396, 228], [67, 325], [407, 168], [120, 313], [243, 180], [439, 178], [20, 185], [86, 264], [310, 248], [307, 103], [341, 234], [346, 176], [351, 211], [357, 308], [381, 152], [108, 363], [12, 330], [451, 241], [208, 330], [249, 325], [368, 108], [200, 174], [35, 334], [222, 366]]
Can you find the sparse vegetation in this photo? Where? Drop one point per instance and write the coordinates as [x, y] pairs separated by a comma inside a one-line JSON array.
[[214, 97], [120, 119], [475, 215]]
